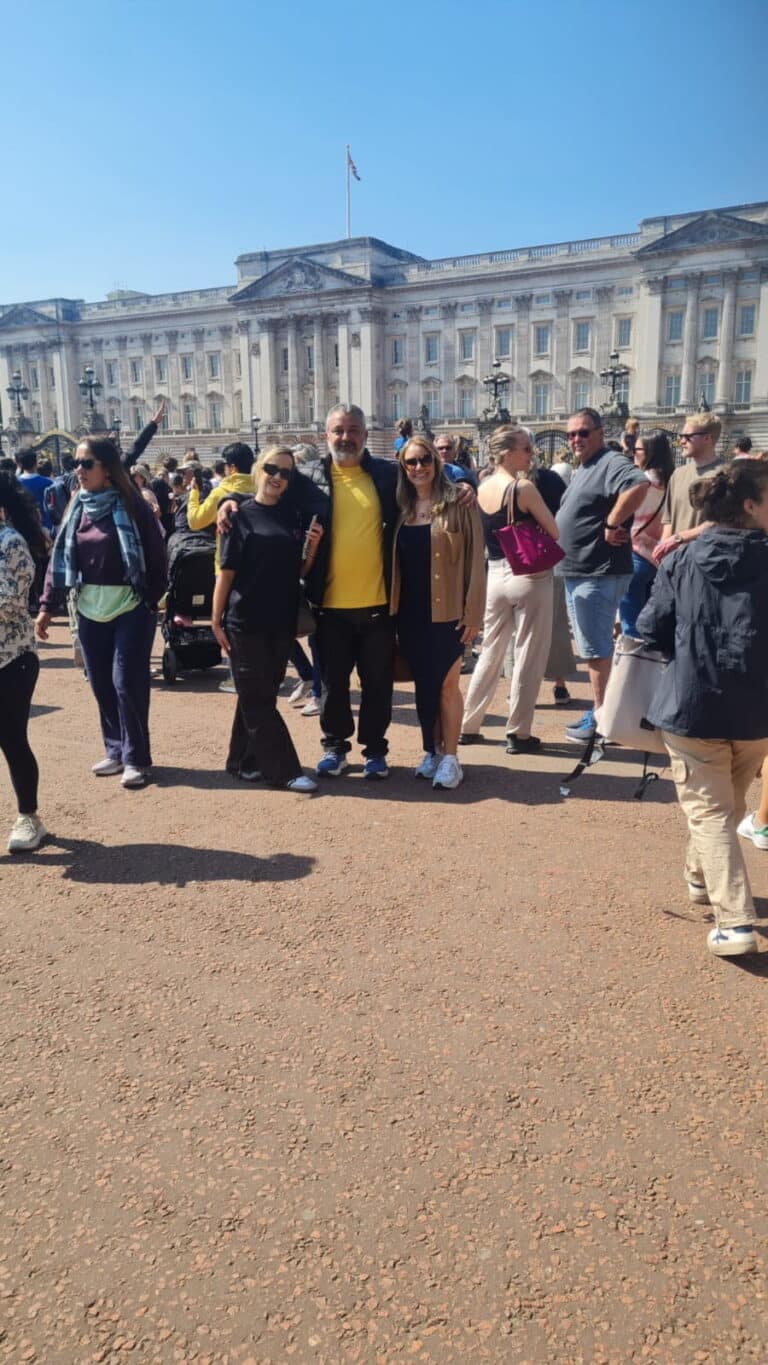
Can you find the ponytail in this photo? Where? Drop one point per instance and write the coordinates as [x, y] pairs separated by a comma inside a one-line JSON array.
[[721, 496]]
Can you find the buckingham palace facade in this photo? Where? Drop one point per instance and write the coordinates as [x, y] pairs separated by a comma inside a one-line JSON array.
[[684, 301]]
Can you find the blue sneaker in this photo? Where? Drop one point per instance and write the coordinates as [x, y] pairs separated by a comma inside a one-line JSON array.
[[376, 767], [583, 730], [331, 765]]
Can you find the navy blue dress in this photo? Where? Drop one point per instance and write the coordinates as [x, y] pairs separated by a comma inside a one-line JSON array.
[[430, 647]]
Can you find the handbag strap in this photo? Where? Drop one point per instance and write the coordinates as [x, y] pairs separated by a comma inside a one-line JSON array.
[[509, 501]]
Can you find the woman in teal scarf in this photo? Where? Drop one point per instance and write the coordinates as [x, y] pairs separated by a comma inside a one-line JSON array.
[[110, 549]]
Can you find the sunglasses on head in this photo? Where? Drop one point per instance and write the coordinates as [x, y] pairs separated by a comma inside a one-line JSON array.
[[276, 471], [416, 460], [85, 464], [583, 432]]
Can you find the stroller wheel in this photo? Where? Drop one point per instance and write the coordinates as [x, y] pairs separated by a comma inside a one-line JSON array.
[[170, 665]]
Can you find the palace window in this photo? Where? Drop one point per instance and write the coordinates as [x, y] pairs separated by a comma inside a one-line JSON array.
[[623, 332], [34, 378], [187, 366], [709, 324], [111, 368], [214, 365], [541, 338], [542, 298], [284, 359], [624, 290], [622, 389], [541, 399], [675, 325], [286, 410], [672, 390], [188, 416], [707, 386], [238, 365], [161, 369], [432, 404], [135, 371], [51, 377], [746, 320], [583, 294], [581, 336], [214, 413], [310, 408], [397, 350], [396, 407], [743, 390], [336, 355], [466, 404], [309, 355], [580, 394], [431, 343], [503, 342], [138, 418], [467, 345]]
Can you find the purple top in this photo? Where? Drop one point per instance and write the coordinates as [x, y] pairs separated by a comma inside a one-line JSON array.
[[99, 559]]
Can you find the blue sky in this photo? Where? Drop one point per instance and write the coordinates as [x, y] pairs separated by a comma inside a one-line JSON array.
[[147, 146]]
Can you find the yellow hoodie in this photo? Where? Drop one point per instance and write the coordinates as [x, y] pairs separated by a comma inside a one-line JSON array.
[[202, 514]]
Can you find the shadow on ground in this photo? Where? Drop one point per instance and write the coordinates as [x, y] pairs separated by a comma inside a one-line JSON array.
[[165, 864]]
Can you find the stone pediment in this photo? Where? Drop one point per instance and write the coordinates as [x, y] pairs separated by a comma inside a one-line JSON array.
[[21, 315], [711, 229], [297, 276]]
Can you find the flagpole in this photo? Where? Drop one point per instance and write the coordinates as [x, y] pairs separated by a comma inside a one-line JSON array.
[[349, 215]]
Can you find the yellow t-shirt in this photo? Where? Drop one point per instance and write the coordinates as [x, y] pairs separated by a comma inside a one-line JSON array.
[[356, 564]]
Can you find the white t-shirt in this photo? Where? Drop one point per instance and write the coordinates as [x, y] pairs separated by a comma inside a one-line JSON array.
[[564, 470]]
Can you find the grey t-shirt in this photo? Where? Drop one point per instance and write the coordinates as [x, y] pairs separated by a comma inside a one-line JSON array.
[[585, 508]]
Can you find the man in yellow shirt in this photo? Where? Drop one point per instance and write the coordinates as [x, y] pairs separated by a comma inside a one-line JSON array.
[[238, 460]]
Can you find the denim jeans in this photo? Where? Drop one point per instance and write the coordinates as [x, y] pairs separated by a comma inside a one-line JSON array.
[[637, 593], [116, 655], [592, 606]]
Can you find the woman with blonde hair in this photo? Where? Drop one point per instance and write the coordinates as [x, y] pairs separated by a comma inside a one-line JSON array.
[[264, 554], [519, 603], [438, 586]]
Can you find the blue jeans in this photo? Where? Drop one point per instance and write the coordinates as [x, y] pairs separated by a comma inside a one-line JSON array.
[[308, 672], [116, 655], [592, 605], [637, 593]]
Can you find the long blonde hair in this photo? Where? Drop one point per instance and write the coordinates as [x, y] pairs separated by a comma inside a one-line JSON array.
[[443, 490]]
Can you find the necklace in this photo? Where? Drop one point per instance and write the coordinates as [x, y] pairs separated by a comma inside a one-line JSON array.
[[422, 511]]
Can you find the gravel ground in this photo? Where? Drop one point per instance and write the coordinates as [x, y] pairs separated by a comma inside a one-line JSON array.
[[378, 1075]]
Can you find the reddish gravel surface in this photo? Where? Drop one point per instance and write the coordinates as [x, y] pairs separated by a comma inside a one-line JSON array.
[[378, 1075]]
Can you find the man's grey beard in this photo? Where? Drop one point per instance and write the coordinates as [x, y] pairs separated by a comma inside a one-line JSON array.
[[345, 457]]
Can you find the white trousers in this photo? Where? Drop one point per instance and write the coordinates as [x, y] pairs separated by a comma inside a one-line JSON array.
[[519, 604]]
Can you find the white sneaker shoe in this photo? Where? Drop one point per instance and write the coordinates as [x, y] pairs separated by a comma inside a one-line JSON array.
[[757, 833], [312, 707], [27, 834], [449, 773], [300, 691], [732, 942], [697, 892], [133, 777], [428, 766], [302, 784], [108, 767]]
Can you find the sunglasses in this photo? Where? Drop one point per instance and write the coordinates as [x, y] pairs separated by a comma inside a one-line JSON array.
[[583, 433], [691, 436], [275, 471], [85, 464], [417, 460]]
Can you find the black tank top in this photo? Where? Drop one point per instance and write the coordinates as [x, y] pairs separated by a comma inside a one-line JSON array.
[[496, 521]]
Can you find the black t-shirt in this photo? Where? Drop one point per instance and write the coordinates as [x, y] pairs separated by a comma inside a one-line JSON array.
[[264, 549]]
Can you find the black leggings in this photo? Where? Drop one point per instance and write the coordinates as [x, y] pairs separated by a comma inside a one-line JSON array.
[[17, 683]]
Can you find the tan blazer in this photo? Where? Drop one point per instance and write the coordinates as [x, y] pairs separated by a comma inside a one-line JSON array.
[[457, 566]]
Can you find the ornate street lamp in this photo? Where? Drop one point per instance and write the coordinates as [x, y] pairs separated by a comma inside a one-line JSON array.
[[16, 391], [116, 425], [496, 385], [255, 425], [703, 404], [615, 407], [88, 386]]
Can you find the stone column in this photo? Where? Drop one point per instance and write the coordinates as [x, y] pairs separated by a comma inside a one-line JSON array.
[[320, 375], [40, 358], [343, 344], [690, 345], [603, 340], [67, 375], [294, 410], [448, 362], [724, 381], [371, 377], [174, 378], [520, 399], [484, 340], [760, 386], [123, 376], [648, 350], [246, 382], [267, 351], [413, 360], [227, 387], [150, 386], [561, 353]]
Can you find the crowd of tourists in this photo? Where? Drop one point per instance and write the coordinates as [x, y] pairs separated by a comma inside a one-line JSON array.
[[394, 567]]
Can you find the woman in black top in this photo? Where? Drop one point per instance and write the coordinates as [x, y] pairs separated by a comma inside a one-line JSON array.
[[255, 606]]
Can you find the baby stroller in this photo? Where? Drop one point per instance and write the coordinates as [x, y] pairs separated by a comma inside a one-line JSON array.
[[191, 576]]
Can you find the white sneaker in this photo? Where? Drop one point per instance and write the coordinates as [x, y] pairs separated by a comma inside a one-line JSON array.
[[27, 834], [757, 833], [312, 707], [697, 892], [133, 777], [302, 784], [449, 773], [108, 767], [300, 691], [732, 942], [428, 766], [227, 686]]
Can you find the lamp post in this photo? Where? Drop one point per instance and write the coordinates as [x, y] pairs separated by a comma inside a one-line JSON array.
[[615, 407], [16, 391], [255, 421], [88, 386], [116, 425]]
